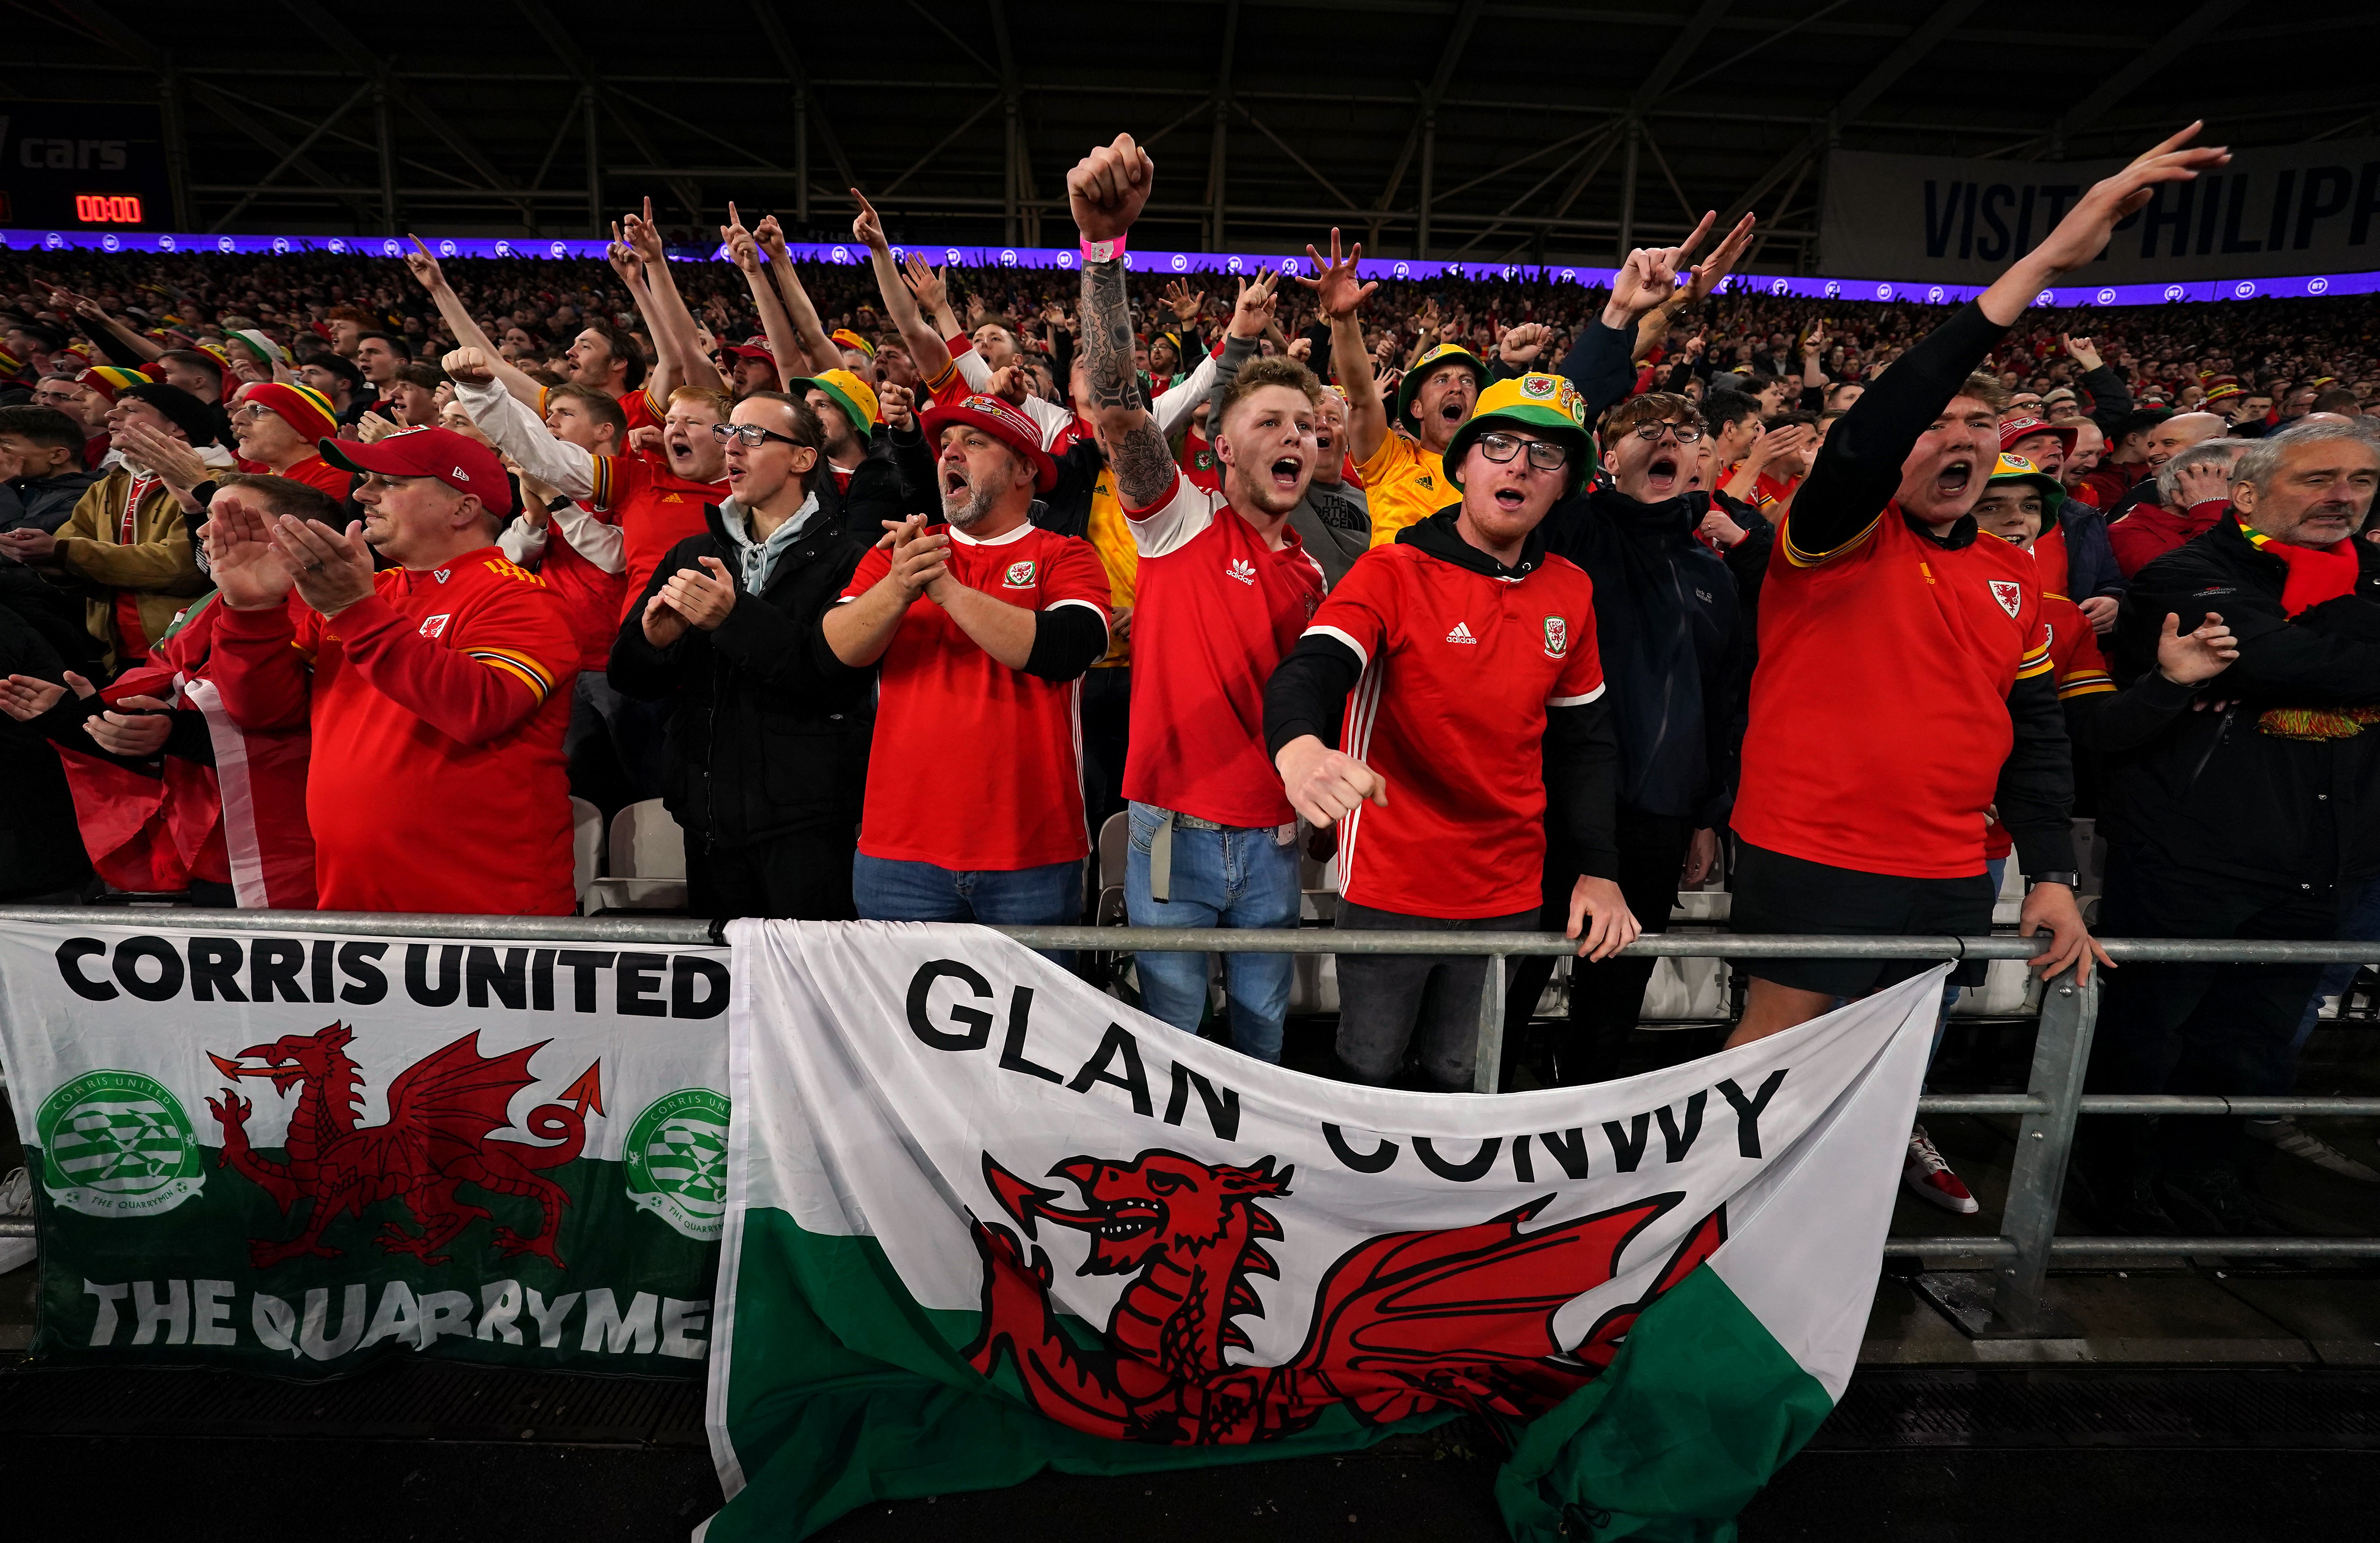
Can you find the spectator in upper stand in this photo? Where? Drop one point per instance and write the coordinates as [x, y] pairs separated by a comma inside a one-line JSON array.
[[2249, 820], [768, 736], [340, 384], [981, 624], [2193, 489], [126, 549], [2111, 399], [277, 427], [1398, 449], [439, 687], [2124, 465], [381, 356], [346, 325], [87, 407], [2072, 550]]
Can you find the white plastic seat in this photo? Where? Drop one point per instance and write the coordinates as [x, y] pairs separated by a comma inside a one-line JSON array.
[[648, 862], [586, 847]]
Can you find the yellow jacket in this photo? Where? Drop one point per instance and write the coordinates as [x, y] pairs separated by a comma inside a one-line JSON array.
[[156, 564]]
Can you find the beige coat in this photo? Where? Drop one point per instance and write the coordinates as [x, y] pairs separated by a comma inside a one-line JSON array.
[[156, 565]]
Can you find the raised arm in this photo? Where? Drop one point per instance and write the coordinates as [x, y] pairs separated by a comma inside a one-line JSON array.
[[1341, 293], [785, 342], [467, 331], [664, 308], [1107, 189], [518, 432], [808, 329], [121, 341], [927, 348]]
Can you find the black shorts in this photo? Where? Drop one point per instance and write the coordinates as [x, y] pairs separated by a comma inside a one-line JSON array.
[[1773, 893]]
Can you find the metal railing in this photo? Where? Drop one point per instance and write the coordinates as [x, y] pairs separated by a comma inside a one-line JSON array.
[[2020, 1254]]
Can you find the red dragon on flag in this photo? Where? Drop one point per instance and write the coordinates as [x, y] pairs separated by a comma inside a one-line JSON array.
[[443, 1113], [1404, 1324]]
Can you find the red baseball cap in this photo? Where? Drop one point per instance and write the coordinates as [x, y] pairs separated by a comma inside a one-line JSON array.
[[1003, 422], [457, 461], [2017, 429]]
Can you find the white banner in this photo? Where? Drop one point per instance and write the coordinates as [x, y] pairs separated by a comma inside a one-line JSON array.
[[294, 1152], [2279, 210]]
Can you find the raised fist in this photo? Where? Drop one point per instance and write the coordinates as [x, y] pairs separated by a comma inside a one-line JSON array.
[[1108, 187], [468, 367]]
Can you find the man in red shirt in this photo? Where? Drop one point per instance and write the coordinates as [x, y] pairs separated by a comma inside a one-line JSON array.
[[2193, 489], [276, 427], [981, 626], [438, 689], [1222, 588], [1461, 660], [1904, 683]]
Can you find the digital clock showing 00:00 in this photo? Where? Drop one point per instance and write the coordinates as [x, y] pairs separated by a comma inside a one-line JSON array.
[[107, 209]]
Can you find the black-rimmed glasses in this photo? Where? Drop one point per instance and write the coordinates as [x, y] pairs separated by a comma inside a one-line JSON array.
[[1651, 433], [1545, 455], [752, 434]]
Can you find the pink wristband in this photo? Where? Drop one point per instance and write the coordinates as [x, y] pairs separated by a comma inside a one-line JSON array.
[[1104, 251]]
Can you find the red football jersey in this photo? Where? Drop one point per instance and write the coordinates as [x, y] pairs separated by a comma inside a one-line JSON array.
[[1216, 611], [654, 509], [976, 766], [316, 473], [438, 706], [1459, 669], [2075, 663], [1879, 711]]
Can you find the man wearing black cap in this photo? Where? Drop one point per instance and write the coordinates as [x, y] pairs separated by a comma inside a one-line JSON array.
[[438, 689], [126, 547]]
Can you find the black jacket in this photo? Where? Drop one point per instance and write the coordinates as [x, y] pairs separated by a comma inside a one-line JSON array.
[[41, 844], [2239, 794], [1673, 647], [764, 741]]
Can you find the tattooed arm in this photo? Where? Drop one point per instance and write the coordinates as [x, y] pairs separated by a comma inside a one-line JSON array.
[[1107, 188]]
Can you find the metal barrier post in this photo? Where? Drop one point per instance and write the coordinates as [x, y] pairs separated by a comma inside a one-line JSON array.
[[2069, 1012], [1490, 1050]]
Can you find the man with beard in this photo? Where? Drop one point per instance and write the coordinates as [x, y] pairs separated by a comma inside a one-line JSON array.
[[1905, 684], [1224, 587], [980, 626], [1469, 651], [1675, 648]]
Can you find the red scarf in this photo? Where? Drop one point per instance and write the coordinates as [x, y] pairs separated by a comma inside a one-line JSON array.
[[2316, 572]]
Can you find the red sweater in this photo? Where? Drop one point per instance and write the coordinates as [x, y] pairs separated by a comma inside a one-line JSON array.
[[2151, 530], [438, 706]]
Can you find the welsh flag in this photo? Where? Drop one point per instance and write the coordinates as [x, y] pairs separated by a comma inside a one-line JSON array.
[[984, 1220]]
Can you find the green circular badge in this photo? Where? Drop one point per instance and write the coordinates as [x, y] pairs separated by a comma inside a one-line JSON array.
[[677, 1161], [117, 1143]]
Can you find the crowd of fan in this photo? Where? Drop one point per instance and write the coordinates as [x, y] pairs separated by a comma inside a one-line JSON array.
[[326, 581]]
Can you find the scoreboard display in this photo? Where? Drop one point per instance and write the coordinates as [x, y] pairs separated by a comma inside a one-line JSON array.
[[82, 165]]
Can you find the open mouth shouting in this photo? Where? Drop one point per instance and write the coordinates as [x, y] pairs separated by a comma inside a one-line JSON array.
[[1661, 475], [1452, 414], [1952, 481], [1285, 472]]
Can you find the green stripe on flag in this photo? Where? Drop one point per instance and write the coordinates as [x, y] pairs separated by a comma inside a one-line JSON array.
[[861, 1394], [1699, 1409]]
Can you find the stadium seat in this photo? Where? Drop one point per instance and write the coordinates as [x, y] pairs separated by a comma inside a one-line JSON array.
[[647, 863], [586, 847]]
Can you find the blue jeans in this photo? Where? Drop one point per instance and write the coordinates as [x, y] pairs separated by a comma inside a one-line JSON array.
[[2359, 922], [885, 888], [1220, 879]]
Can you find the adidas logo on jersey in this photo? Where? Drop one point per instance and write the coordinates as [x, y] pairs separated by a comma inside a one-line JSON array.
[[1462, 634], [1242, 570]]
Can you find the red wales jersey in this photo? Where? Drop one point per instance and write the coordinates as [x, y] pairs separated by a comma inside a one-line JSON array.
[[976, 766], [438, 706], [2075, 663], [654, 509], [1879, 711], [1217, 610], [1459, 669], [316, 473]]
